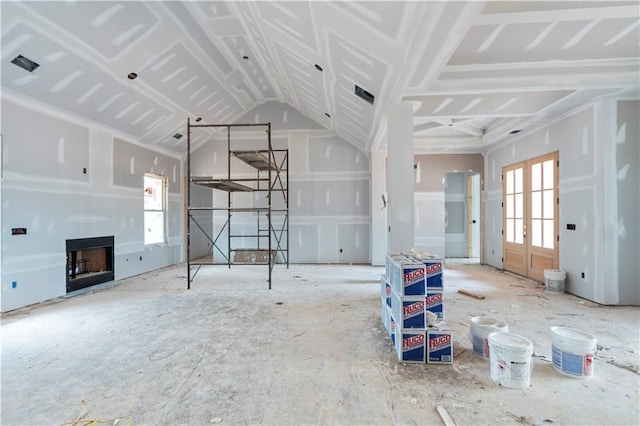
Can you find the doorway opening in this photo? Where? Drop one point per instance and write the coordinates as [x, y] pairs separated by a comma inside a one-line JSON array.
[[462, 216]]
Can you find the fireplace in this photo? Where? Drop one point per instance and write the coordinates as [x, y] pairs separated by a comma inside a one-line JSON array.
[[89, 262]]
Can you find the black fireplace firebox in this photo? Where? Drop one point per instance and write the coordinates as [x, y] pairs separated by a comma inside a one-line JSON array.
[[89, 262]]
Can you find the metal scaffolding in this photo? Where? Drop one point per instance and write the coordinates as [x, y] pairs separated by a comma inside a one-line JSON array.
[[271, 237]]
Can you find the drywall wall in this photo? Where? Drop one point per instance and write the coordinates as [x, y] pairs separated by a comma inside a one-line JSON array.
[[430, 171], [628, 194], [379, 230], [400, 185], [579, 176], [590, 153], [329, 187], [46, 190]]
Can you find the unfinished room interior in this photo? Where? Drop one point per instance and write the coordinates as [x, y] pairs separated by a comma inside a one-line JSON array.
[[320, 212]]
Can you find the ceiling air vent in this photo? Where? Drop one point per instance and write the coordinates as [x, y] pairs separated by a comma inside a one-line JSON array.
[[177, 135], [25, 63], [364, 94]]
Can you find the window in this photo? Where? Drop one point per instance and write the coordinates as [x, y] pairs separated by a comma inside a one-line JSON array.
[[154, 208]]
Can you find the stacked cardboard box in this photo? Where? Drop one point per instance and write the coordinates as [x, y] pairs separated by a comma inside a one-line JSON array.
[[411, 287]]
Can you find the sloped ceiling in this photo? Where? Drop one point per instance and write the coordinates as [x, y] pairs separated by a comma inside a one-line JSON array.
[[474, 71]]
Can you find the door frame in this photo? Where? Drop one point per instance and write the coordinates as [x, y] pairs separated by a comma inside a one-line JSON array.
[[470, 240], [514, 256], [526, 258], [539, 257], [474, 215]]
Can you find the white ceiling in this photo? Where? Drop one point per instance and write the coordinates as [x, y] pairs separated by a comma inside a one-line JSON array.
[[474, 71]]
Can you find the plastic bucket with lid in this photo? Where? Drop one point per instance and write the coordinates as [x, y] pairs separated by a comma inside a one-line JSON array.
[[573, 351], [510, 359], [554, 280], [480, 329]]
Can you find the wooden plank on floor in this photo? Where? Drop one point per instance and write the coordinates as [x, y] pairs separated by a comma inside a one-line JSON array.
[[446, 418], [469, 293]]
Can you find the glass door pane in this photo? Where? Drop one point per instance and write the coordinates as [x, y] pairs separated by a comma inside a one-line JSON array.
[[549, 231], [542, 204], [514, 205]]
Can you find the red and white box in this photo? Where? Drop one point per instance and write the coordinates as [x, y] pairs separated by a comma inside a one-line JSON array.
[[433, 271], [411, 345], [385, 316], [433, 275], [385, 290], [392, 333], [434, 302], [406, 276], [409, 311], [439, 345]]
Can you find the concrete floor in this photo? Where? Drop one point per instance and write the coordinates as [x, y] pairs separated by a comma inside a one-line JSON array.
[[310, 351]]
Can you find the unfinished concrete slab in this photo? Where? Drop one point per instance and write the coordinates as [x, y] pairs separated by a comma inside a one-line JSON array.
[[310, 351]]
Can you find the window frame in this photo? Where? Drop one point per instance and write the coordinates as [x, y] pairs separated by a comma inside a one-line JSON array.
[[164, 196]]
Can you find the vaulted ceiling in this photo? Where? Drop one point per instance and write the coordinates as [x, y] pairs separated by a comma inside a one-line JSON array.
[[474, 71]]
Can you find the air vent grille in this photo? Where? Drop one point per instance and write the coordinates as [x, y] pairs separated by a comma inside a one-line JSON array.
[[360, 92], [25, 63]]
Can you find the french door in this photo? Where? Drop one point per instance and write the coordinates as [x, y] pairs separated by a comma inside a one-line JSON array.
[[530, 216]]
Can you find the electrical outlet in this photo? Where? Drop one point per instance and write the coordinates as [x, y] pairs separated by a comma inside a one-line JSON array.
[[140, 257], [340, 250], [582, 274]]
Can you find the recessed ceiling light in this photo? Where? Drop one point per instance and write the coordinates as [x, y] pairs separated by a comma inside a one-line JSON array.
[[360, 92], [513, 132], [25, 63], [245, 57], [198, 119], [318, 67], [327, 114], [132, 76], [177, 135]]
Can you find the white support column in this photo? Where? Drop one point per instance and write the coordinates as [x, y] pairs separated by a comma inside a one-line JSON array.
[[378, 209], [400, 177]]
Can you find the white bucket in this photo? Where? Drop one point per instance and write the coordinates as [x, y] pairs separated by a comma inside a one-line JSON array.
[[480, 329], [510, 360], [554, 280], [573, 352]]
